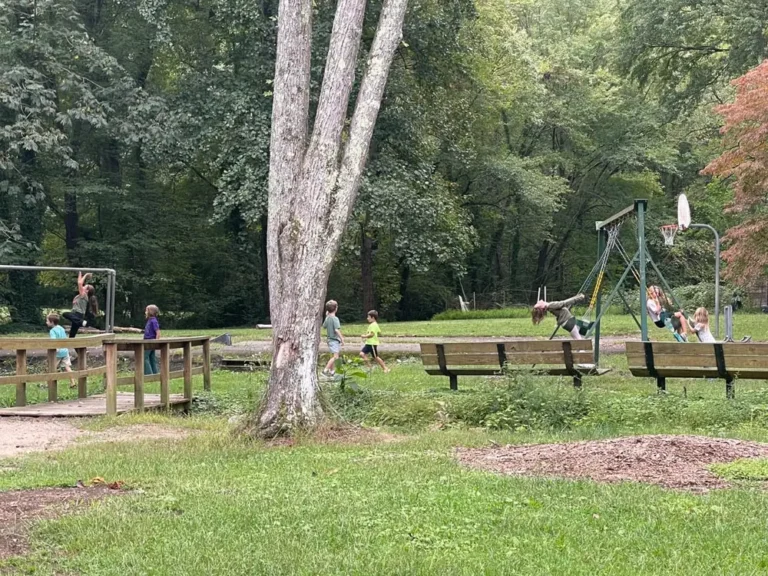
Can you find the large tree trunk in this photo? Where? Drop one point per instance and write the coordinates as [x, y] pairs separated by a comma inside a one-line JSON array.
[[313, 183]]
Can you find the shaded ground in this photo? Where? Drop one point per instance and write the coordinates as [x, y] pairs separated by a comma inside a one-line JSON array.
[[19, 508], [670, 461], [24, 435]]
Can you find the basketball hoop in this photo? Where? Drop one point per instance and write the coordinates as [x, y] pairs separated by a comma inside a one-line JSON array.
[[669, 231]]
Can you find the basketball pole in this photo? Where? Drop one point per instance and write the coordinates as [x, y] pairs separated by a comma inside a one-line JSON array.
[[717, 274], [641, 206]]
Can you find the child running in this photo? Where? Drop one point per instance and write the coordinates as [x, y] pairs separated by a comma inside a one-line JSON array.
[[371, 339], [62, 354], [332, 327], [562, 313], [151, 332]]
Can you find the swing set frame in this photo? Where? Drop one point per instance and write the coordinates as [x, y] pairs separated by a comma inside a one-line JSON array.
[[109, 310], [641, 258]]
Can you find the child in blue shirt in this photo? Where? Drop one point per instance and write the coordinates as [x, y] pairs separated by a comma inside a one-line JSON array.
[[62, 354]]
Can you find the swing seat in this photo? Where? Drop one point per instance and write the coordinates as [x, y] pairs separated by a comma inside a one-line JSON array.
[[584, 326]]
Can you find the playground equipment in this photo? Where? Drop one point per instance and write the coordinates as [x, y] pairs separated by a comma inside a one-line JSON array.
[[109, 308], [608, 242]]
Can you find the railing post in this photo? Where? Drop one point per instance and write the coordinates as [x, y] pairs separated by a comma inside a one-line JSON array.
[[165, 369], [21, 368], [110, 355], [207, 365], [52, 384], [82, 364], [188, 374], [138, 376]]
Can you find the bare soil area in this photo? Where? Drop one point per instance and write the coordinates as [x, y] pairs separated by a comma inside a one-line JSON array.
[[678, 462], [19, 508]]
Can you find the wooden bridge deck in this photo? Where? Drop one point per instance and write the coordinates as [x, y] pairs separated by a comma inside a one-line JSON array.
[[91, 406]]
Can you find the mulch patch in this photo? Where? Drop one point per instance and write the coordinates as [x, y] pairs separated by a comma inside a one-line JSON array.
[[678, 462], [18, 508]]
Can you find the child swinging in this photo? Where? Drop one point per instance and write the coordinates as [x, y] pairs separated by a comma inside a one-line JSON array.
[[562, 313]]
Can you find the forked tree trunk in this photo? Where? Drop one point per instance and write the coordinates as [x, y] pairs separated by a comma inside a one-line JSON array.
[[313, 183]]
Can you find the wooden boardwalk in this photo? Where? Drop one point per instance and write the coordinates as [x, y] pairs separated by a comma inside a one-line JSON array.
[[91, 406]]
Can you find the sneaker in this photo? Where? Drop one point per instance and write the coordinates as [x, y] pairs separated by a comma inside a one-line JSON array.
[[746, 339]]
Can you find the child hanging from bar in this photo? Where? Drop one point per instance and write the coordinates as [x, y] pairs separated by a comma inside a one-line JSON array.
[[562, 313]]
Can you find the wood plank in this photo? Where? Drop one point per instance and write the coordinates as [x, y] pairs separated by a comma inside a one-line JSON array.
[[21, 385], [82, 364], [110, 354], [48, 343], [51, 375], [677, 372], [691, 348], [684, 360], [207, 365], [128, 344], [187, 371], [53, 384], [511, 347], [165, 371], [546, 345], [512, 360], [542, 371], [86, 407], [138, 377]]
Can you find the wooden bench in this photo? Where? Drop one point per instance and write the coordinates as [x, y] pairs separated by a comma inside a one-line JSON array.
[[553, 357], [662, 360]]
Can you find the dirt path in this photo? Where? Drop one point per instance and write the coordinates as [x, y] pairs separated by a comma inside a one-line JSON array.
[[24, 435]]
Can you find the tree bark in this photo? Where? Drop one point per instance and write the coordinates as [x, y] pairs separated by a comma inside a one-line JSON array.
[[313, 183]]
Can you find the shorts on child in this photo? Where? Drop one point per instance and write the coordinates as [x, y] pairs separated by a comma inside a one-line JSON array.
[[570, 324], [334, 346], [371, 349], [63, 362]]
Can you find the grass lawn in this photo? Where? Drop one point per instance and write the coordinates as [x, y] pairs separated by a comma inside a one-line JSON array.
[[215, 503]]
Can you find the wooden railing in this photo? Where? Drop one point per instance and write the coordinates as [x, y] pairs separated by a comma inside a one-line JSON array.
[[22, 377], [138, 379], [112, 346]]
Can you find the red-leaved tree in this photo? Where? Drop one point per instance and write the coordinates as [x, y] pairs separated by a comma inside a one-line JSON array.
[[745, 162]]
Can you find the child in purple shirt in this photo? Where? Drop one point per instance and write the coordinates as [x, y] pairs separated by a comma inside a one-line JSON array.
[[151, 332]]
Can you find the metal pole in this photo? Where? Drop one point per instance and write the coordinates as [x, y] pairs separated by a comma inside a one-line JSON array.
[[642, 205], [601, 243], [112, 313], [57, 269], [717, 275]]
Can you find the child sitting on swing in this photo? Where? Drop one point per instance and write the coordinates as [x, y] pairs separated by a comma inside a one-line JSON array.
[[656, 310], [562, 313]]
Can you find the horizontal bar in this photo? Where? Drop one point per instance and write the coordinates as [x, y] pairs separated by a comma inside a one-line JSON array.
[[51, 343], [618, 216], [126, 380], [9, 268], [125, 344], [52, 376]]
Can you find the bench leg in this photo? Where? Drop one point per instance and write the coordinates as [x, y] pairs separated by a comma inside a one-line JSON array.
[[729, 391], [661, 384], [577, 381], [454, 382]]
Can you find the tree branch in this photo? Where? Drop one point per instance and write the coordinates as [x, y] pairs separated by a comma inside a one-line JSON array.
[[388, 36]]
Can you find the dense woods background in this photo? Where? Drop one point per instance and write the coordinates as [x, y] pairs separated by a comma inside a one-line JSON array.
[[134, 134]]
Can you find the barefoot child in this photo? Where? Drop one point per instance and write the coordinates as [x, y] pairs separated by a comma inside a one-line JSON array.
[[332, 327], [371, 339], [151, 332], [562, 313], [62, 354]]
